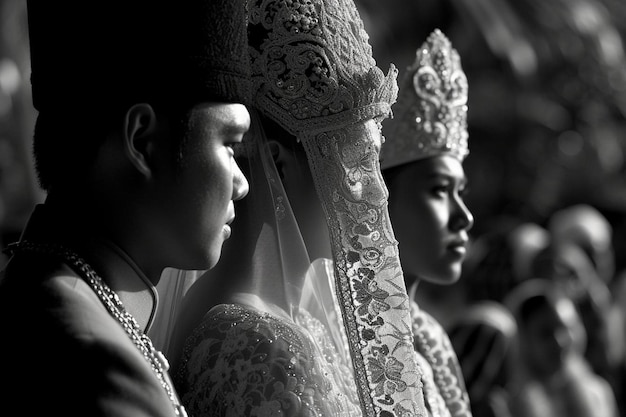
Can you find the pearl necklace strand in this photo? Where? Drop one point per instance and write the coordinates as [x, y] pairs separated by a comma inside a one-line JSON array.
[[113, 304]]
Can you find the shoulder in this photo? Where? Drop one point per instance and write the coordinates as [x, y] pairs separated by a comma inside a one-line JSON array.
[[241, 357], [57, 332], [247, 362], [234, 320], [231, 331]]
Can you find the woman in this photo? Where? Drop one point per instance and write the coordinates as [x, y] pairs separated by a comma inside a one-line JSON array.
[[422, 162]]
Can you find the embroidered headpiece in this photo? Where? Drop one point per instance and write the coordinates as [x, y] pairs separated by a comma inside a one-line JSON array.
[[430, 117], [312, 65]]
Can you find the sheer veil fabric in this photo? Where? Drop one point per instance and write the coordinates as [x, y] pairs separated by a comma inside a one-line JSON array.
[[273, 338], [171, 290]]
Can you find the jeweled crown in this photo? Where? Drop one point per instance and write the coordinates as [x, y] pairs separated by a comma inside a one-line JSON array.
[[430, 117], [312, 65]]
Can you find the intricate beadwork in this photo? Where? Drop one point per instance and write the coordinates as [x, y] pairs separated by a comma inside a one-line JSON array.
[[272, 359], [445, 391], [430, 117], [312, 65], [113, 304]]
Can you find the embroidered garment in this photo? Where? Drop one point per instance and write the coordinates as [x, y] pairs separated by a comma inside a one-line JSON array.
[[444, 387], [244, 361]]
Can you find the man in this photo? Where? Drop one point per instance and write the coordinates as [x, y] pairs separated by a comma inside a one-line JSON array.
[[139, 107]]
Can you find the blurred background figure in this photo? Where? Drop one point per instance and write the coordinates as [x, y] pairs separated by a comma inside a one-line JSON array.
[[567, 264], [552, 376], [527, 239], [502, 257], [483, 339], [585, 226]]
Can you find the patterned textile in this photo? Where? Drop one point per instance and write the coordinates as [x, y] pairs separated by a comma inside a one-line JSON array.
[[243, 361], [430, 117], [444, 387]]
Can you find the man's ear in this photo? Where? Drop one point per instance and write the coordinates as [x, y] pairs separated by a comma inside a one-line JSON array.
[[139, 136]]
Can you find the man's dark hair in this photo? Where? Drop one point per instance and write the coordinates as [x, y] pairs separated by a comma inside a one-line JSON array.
[[66, 144]]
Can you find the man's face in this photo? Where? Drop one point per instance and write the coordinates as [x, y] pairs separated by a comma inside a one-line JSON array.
[[201, 190]]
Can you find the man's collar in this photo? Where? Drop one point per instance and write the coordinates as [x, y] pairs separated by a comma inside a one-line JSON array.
[[111, 263]]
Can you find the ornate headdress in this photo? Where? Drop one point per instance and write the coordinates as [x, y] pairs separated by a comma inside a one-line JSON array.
[[430, 117], [312, 66], [314, 74]]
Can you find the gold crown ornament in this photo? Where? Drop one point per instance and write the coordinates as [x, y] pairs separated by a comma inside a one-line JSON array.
[[430, 117]]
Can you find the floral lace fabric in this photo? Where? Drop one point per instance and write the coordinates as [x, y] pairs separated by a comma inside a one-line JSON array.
[[444, 387], [245, 362]]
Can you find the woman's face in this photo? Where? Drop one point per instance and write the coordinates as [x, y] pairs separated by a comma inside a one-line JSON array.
[[429, 218]]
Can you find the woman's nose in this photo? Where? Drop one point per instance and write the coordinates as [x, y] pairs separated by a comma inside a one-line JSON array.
[[462, 216]]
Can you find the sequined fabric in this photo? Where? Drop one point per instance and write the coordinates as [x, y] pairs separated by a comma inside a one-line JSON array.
[[430, 117], [245, 362], [312, 65], [444, 387]]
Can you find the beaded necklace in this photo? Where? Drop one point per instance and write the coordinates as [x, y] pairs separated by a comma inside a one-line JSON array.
[[113, 304]]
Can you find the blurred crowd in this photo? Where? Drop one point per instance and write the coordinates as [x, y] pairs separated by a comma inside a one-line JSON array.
[[538, 319]]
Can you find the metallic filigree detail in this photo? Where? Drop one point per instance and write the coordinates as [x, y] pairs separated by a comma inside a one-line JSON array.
[[430, 117], [312, 65]]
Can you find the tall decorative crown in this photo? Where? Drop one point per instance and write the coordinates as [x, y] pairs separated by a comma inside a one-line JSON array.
[[430, 117], [312, 65]]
